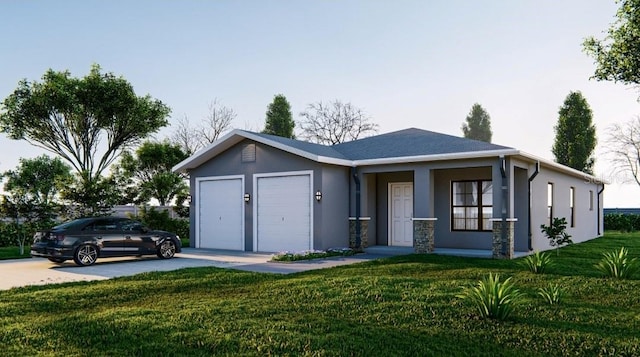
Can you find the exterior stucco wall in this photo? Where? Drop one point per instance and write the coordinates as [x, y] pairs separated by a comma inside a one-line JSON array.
[[333, 230], [521, 212], [326, 213], [586, 219]]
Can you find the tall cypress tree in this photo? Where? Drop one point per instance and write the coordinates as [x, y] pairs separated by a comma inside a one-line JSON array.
[[279, 120], [478, 124], [575, 134]]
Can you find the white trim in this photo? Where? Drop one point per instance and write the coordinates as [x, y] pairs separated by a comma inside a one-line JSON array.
[[423, 219], [361, 218], [500, 219], [237, 135], [282, 174], [390, 206], [197, 204], [437, 157]]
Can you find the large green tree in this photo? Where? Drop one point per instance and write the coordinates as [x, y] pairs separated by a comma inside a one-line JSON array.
[[279, 120], [575, 134], [617, 56], [32, 194], [86, 121], [32, 190], [477, 125], [148, 172]]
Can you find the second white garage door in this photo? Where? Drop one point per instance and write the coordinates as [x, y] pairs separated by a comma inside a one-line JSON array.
[[283, 213], [220, 213]]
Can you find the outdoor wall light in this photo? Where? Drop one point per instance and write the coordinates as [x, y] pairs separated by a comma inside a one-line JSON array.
[[247, 197], [189, 199], [318, 196]]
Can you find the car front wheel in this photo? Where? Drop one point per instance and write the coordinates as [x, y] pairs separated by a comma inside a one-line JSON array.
[[85, 255], [167, 249]]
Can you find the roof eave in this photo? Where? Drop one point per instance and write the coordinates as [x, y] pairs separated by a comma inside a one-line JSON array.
[[437, 157], [237, 135], [563, 168]]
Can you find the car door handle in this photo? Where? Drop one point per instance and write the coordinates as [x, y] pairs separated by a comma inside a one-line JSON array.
[[128, 237]]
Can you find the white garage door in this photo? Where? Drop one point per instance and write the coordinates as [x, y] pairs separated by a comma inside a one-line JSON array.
[[283, 213], [220, 214]]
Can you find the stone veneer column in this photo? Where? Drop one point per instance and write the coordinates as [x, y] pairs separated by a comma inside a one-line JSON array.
[[498, 243], [364, 232], [423, 234]]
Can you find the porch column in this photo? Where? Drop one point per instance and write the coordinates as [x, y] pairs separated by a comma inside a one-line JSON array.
[[502, 244], [364, 232], [423, 234]]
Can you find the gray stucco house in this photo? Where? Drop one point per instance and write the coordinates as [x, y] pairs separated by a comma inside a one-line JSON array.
[[416, 188]]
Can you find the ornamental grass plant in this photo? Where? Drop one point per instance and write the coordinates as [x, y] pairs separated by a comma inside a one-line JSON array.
[[617, 264], [492, 297]]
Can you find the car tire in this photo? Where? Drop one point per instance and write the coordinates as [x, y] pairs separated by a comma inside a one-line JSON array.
[[57, 260], [167, 249], [85, 255]]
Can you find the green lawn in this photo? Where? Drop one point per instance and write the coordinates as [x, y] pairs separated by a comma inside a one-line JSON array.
[[14, 253], [399, 306]]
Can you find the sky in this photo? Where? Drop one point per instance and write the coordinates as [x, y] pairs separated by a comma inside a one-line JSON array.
[[405, 63]]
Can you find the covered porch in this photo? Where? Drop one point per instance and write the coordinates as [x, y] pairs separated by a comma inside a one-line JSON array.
[[475, 207]]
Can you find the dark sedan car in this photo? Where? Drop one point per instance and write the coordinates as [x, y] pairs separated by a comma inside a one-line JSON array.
[[86, 239]]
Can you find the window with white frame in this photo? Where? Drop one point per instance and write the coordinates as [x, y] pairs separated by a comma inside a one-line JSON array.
[[550, 203], [471, 205], [572, 205]]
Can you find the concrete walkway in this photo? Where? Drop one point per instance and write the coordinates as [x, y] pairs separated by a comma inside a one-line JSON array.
[[40, 271]]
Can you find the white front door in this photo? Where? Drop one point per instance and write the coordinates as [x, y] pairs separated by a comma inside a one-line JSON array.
[[400, 214]]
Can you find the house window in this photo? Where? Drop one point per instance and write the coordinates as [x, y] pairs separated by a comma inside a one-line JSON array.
[[572, 204], [550, 203], [471, 205], [590, 200]]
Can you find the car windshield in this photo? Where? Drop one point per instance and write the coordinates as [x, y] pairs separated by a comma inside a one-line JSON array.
[[73, 224]]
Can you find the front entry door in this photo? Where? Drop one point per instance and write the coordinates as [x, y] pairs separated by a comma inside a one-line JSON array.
[[400, 214]]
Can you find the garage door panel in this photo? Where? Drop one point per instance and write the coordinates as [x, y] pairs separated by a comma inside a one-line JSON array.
[[221, 214], [284, 213]]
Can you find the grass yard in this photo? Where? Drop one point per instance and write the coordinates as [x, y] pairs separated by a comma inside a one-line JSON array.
[[399, 306], [14, 252]]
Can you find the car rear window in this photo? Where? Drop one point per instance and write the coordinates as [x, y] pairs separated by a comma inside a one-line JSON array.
[[76, 223]]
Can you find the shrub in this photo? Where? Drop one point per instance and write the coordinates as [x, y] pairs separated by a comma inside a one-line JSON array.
[[311, 254], [492, 297], [622, 222], [537, 263], [161, 220], [617, 264], [556, 233], [552, 293], [12, 233]]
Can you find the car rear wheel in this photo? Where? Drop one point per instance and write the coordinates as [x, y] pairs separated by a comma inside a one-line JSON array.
[[57, 260], [85, 255], [167, 249]]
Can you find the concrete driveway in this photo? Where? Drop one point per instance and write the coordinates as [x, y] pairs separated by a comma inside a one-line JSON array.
[[40, 271]]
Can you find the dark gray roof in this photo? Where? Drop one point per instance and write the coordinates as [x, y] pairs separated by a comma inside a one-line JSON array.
[[316, 149], [411, 142]]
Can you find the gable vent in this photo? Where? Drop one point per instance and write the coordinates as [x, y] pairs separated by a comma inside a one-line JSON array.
[[249, 153]]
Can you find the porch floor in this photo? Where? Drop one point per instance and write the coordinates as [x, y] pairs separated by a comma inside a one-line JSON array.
[[474, 253]]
